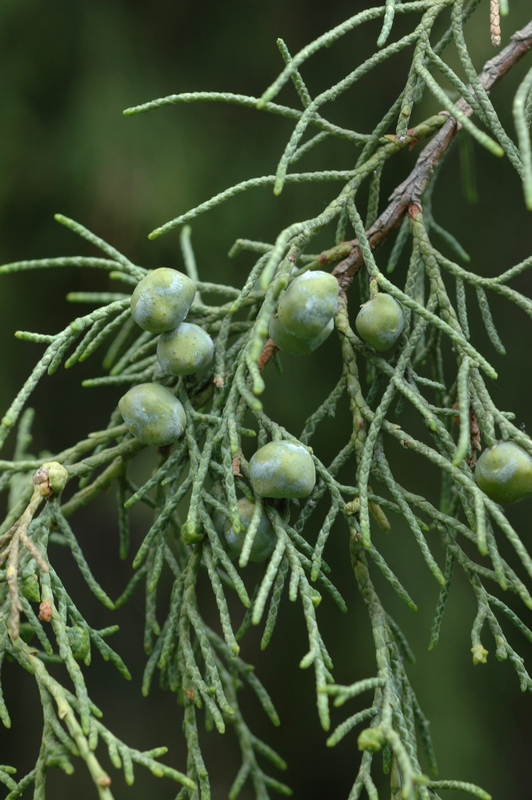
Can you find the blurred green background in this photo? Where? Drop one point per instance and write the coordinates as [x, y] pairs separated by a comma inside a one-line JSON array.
[[67, 72]]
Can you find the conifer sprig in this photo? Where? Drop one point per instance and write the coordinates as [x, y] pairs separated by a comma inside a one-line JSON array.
[[438, 371]]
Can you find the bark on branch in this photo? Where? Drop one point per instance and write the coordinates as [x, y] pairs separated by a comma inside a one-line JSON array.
[[409, 192]]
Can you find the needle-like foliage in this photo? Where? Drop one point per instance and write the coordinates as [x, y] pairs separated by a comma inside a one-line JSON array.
[[193, 496]]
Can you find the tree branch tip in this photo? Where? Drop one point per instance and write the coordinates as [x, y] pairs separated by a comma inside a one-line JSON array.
[[406, 198]]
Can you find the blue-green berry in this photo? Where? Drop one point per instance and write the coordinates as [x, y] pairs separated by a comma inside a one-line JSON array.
[[185, 350], [295, 344], [380, 322], [504, 472], [309, 303], [282, 469], [162, 299], [153, 414], [264, 540]]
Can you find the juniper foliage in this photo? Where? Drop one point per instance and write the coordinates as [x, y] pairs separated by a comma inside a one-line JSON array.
[[195, 489]]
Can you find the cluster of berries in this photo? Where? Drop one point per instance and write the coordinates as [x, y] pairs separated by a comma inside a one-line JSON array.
[[160, 304], [303, 320], [155, 416]]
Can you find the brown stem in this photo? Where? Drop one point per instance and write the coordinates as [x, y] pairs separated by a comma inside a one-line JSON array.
[[269, 350], [408, 193], [407, 196]]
